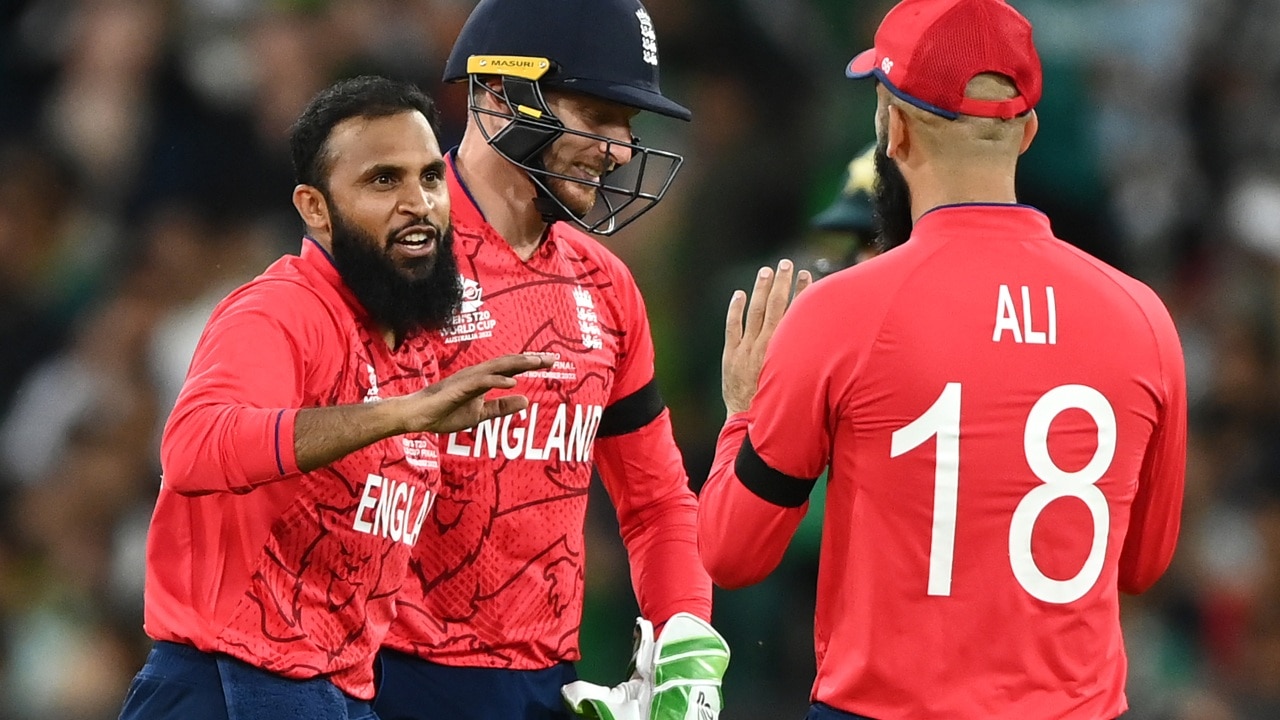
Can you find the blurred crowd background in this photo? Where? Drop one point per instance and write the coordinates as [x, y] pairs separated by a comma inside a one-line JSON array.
[[144, 173]]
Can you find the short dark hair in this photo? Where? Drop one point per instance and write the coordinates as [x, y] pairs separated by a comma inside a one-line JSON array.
[[366, 96]]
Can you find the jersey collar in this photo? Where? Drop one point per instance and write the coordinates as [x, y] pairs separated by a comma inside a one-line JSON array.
[[462, 203], [316, 257], [465, 212], [983, 218]]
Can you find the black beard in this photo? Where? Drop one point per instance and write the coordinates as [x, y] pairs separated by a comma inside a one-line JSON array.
[[890, 201], [422, 297]]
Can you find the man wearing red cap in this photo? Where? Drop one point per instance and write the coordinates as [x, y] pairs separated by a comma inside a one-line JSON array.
[[1003, 416]]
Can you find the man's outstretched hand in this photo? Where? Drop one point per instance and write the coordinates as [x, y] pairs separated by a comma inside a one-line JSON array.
[[745, 342], [457, 402]]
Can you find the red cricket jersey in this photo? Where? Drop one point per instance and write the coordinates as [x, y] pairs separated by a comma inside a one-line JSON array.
[[497, 579], [292, 572], [1004, 419]]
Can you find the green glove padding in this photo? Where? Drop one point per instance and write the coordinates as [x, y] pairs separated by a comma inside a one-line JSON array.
[[676, 677]]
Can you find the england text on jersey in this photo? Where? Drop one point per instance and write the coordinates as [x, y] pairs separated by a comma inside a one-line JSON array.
[[387, 508], [527, 435]]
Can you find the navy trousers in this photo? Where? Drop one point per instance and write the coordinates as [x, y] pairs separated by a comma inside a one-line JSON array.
[[414, 689], [818, 711], [179, 682]]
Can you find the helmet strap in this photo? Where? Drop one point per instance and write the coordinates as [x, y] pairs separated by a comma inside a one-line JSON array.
[[548, 206], [533, 126], [524, 141]]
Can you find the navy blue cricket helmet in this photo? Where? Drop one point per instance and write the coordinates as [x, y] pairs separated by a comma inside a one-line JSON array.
[[605, 49]]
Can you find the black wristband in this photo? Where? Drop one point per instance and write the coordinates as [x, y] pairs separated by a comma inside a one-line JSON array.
[[632, 412], [768, 484]]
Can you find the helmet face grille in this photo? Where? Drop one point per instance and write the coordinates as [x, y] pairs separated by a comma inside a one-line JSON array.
[[630, 190], [623, 194]]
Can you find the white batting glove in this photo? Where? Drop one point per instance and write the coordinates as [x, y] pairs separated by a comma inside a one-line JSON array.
[[676, 677]]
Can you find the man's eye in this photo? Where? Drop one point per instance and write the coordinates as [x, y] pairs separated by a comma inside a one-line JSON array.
[[383, 179]]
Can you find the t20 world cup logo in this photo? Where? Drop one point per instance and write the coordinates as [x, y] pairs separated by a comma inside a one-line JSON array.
[[471, 293]]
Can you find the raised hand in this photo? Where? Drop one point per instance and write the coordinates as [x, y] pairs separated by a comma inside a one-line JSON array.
[[457, 402], [745, 342], [324, 434]]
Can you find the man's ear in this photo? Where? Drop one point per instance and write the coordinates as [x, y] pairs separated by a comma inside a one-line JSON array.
[[898, 146], [1029, 132], [312, 208]]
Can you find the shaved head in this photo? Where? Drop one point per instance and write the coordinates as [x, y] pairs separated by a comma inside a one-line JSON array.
[[967, 137]]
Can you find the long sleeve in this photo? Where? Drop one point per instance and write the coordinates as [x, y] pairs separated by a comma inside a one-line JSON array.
[[643, 471], [232, 428], [769, 458], [1157, 507], [657, 517], [741, 536]]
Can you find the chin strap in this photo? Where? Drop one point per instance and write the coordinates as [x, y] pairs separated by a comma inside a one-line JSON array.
[[548, 207]]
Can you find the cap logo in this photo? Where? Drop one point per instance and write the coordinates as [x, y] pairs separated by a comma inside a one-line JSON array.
[[648, 39], [886, 65]]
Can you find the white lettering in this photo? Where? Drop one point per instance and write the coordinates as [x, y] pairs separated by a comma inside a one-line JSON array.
[[1006, 317], [400, 500], [420, 453], [412, 538], [531, 451], [391, 510], [555, 438], [367, 501], [583, 431], [1032, 337], [521, 436], [456, 448], [382, 515], [469, 325], [1024, 331], [1053, 314], [487, 430], [512, 438]]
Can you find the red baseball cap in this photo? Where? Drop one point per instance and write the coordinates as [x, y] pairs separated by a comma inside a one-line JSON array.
[[927, 51]]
